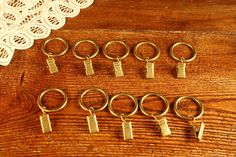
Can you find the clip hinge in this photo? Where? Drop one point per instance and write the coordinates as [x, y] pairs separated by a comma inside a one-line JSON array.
[[52, 65], [88, 67], [118, 68], [45, 123]]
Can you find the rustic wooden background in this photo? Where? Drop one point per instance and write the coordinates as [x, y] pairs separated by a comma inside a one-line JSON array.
[[208, 25]]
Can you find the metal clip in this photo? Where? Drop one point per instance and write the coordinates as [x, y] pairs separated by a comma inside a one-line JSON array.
[[92, 123], [45, 123], [181, 73], [149, 70], [88, 67], [127, 130], [52, 65], [118, 68], [199, 131], [165, 130]]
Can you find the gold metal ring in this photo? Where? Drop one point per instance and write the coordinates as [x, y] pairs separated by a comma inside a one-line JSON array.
[[123, 114], [75, 52], [118, 57], [193, 52], [139, 57], [51, 54], [189, 117], [94, 89], [155, 114], [60, 107]]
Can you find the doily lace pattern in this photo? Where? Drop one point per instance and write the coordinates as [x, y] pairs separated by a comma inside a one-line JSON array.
[[23, 21]]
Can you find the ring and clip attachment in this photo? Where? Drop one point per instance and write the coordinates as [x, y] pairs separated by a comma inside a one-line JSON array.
[[87, 59], [159, 117], [126, 126], [92, 119], [51, 61], [198, 125], [149, 61], [44, 118], [117, 60], [181, 66]]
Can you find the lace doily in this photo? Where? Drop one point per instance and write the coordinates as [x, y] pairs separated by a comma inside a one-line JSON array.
[[23, 21]]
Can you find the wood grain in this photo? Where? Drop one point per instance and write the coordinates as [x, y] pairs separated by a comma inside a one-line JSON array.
[[210, 78]]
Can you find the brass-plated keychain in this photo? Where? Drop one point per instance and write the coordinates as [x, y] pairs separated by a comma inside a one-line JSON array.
[[181, 66], [44, 118], [149, 61], [116, 60], [159, 117], [87, 59], [195, 122], [92, 119], [51, 61], [126, 126]]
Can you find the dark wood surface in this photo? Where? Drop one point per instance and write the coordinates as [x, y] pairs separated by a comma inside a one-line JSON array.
[[207, 25]]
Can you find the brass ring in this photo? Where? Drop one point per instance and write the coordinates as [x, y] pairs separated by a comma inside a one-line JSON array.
[[50, 54], [189, 117], [118, 57], [127, 114], [60, 107], [155, 114], [75, 53], [94, 89], [193, 52], [137, 55]]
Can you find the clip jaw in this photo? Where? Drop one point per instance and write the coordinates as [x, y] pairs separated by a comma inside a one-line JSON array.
[[149, 70], [165, 130], [181, 66], [118, 68], [181, 72], [198, 130], [52, 65], [92, 123], [127, 129], [45, 123], [88, 67]]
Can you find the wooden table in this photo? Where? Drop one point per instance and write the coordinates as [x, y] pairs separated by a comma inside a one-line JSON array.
[[207, 25]]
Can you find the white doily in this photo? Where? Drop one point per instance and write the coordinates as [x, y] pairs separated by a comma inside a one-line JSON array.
[[23, 21]]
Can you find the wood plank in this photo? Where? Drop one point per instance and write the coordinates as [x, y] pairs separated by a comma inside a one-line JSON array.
[[181, 15], [210, 77]]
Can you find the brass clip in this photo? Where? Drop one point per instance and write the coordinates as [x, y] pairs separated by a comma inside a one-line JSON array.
[[165, 130], [118, 68], [52, 65], [193, 120], [182, 65], [45, 123], [50, 61], [88, 67], [92, 123], [44, 118], [199, 131], [181, 73], [92, 119], [127, 130], [149, 70], [116, 64]]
